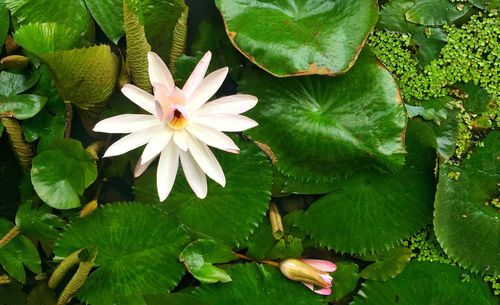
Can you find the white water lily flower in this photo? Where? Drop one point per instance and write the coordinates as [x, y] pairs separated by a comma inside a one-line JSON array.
[[180, 125]]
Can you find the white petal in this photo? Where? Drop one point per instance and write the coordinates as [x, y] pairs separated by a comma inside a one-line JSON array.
[[206, 160], [232, 104], [194, 175], [140, 97], [132, 141], [197, 75], [141, 168], [207, 88], [226, 122], [156, 145], [181, 139], [158, 72], [167, 170], [126, 123], [212, 137]]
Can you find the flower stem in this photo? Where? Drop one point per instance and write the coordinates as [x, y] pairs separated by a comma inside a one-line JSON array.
[[247, 258], [9, 236]]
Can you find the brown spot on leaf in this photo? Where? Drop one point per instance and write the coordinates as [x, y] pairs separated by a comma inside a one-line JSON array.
[[267, 150]]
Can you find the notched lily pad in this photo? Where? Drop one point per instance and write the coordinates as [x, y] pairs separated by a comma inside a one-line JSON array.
[[386, 265], [436, 12], [288, 38], [466, 223], [318, 128]]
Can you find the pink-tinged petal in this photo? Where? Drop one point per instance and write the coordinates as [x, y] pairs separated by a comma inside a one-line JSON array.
[[132, 141], [194, 175], [158, 72], [327, 278], [181, 139], [167, 170], [321, 265], [232, 104], [206, 160], [212, 137], [207, 88], [156, 145], [141, 168], [126, 123], [322, 291], [140, 97], [197, 75], [226, 122]]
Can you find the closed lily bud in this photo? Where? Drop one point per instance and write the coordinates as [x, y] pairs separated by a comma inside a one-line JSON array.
[[311, 272]]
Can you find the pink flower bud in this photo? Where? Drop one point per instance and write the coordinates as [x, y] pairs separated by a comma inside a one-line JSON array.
[[311, 272]]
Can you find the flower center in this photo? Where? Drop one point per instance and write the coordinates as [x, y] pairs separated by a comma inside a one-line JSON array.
[[178, 120]]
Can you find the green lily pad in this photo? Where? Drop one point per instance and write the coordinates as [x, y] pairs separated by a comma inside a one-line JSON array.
[[138, 251], [41, 38], [386, 265], [237, 208], [424, 283], [322, 127], [22, 106], [17, 253], [72, 13], [15, 83], [108, 14], [62, 172], [199, 257], [288, 38], [436, 12], [369, 212], [466, 226], [345, 280], [257, 284]]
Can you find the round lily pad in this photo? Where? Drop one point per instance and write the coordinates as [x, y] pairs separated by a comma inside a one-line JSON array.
[[321, 127], [296, 37], [424, 283], [138, 248], [370, 212], [467, 226]]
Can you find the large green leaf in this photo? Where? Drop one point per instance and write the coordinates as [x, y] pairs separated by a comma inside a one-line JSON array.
[[466, 226], [322, 127], [85, 77], [72, 13], [299, 37], [138, 252], [436, 12], [425, 283], [199, 257], [61, 173], [17, 253], [41, 38], [109, 16], [229, 214], [22, 106], [370, 212], [257, 284]]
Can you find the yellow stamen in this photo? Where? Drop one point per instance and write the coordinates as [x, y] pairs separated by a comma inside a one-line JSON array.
[[178, 121]]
